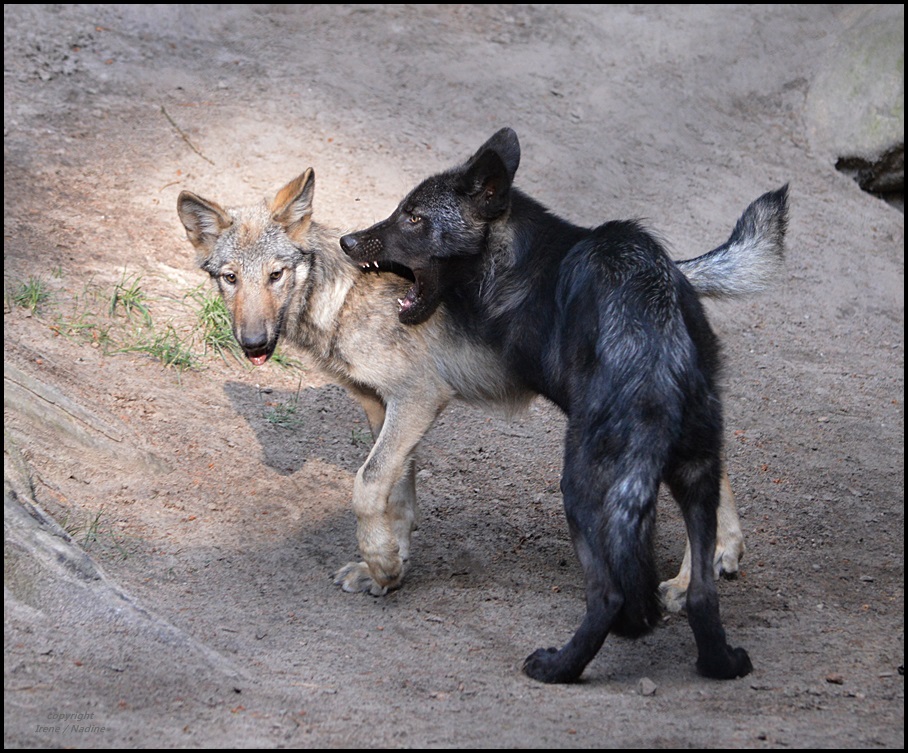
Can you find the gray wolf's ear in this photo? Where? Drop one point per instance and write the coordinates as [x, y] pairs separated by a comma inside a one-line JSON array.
[[292, 207], [204, 220]]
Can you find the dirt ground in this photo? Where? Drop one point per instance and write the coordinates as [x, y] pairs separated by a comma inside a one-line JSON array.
[[213, 502]]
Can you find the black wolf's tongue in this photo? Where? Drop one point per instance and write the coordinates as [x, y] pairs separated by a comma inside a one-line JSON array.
[[410, 298]]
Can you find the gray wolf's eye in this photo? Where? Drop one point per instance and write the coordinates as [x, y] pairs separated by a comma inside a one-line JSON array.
[[276, 275], [229, 277]]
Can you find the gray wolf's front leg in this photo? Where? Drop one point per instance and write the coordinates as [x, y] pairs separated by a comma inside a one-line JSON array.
[[384, 498], [401, 516]]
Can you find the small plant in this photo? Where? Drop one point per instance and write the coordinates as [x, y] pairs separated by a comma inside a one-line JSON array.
[[284, 414], [167, 347], [31, 294], [280, 358], [129, 294], [84, 328], [91, 532], [360, 437], [214, 321], [79, 319]]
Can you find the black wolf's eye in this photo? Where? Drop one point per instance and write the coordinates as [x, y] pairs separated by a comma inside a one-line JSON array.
[[414, 219], [276, 275], [229, 278]]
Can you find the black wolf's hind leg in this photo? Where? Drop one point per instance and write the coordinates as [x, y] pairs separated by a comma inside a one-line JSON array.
[[603, 604], [697, 491], [604, 600]]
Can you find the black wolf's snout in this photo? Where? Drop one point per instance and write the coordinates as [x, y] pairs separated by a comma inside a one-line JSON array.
[[362, 246], [349, 244]]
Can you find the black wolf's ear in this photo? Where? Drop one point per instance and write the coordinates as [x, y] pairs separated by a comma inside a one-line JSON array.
[[488, 174], [204, 220], [506, 145], [487, 183], [292, 207]]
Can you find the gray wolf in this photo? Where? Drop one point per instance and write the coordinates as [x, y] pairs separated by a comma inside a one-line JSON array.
[[605, 325], [283, 275]]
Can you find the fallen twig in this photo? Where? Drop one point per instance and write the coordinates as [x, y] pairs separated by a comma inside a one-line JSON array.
[[184, 136]]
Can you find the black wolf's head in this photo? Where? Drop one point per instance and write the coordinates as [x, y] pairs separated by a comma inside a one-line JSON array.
[[440, 222], [257, 256]]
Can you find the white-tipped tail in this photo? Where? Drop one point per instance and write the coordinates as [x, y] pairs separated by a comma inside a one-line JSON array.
[[749, 261]]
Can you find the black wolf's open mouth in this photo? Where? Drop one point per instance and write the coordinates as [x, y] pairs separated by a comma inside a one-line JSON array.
[[421, 299], [410, 299], [413, 294]]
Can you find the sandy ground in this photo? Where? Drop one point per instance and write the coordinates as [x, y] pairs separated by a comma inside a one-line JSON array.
[[191, 604]]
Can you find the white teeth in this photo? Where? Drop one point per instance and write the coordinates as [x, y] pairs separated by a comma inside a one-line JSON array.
[[375, 264], [400, 302]]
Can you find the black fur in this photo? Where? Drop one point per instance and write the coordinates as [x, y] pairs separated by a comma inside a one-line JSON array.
[[603, 323]]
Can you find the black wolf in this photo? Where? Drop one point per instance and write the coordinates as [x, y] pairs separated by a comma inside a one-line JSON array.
[[605, 325]]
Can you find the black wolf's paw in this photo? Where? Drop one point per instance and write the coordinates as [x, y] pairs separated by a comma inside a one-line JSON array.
[[544, 665], [725, 664]]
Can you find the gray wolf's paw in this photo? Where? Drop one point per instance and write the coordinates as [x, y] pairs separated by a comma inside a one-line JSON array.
[[728, 556], [726, 561], [354, 577], [673, 593]]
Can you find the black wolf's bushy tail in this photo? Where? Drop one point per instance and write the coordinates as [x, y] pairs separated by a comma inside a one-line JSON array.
[[749, 260], [636, 575], [629, 529]]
